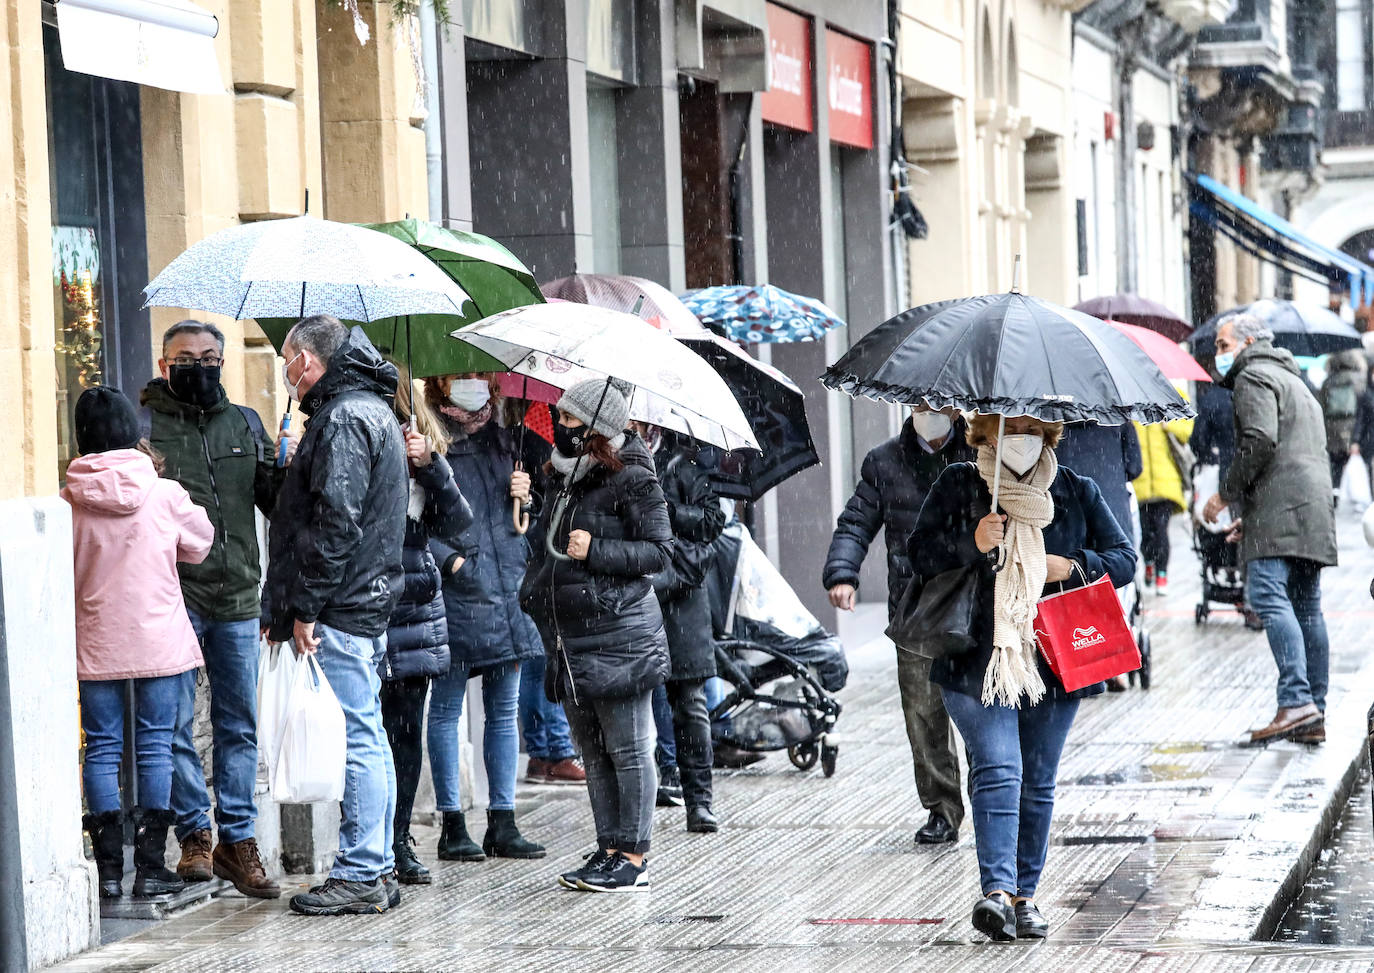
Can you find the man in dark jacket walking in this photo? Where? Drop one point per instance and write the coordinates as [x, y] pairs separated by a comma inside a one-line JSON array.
[[697, 519], [1280, 479], [335, 574], [224, 458], [894, 481]]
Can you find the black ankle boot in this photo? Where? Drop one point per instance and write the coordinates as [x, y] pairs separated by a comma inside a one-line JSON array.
[[107, 841], [409, 870], [454, 843], [503, 839], [151, 876]]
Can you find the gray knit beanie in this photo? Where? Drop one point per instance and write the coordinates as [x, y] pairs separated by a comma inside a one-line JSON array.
[[599, 400]]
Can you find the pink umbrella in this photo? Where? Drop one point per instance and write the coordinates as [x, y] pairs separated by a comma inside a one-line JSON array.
[[515, 386], [1176, 364]]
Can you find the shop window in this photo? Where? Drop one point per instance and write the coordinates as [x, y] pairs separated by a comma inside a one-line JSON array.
[[1352, 66], [605, 179], [499, 22], [611, 39], [99, 248]]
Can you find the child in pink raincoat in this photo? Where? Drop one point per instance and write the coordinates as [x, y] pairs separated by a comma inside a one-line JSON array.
[[129, 530]]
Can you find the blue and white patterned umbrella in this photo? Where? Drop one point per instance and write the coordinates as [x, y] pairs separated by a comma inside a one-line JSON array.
[[296, 267], [754, 314]]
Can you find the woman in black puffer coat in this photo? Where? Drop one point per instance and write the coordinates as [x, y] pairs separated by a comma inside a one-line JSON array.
[[600, 621], [417, 633]]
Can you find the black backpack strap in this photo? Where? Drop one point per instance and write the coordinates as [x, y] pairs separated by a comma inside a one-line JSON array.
[[255, 426]]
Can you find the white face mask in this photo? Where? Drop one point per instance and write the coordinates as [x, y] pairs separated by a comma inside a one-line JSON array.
[[292, 391], [933, 427], [469, 394], [1020, 453]]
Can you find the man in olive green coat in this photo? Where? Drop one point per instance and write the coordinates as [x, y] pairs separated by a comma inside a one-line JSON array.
[[1280, 483], [224, 458]]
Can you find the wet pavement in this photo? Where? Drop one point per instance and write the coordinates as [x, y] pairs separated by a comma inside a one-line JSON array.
[[1174, 847]]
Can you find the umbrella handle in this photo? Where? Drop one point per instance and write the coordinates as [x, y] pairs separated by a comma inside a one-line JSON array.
[[556, 515], [519, 518], [997, 480]]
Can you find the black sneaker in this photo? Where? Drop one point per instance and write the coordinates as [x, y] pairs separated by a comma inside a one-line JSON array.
[[670, 788], [339, 898], [618, 874], [595, 860]]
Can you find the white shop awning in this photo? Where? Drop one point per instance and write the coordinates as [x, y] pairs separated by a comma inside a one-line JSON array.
[[163, 43]]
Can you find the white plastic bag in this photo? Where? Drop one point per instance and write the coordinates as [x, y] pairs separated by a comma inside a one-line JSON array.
[[1206, 482], [1367, 525], [1355, 483], [314, 746], [276, 673]]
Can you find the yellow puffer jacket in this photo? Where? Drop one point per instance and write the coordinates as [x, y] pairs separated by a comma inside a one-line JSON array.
[[1160, 479]]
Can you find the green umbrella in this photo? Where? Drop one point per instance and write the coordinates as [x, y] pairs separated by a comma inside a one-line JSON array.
[[493, 277]]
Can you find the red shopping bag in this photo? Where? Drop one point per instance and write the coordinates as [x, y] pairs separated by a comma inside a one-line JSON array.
[[1084, 636]]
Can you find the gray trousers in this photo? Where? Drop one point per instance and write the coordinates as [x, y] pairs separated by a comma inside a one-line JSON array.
[[931, 734], [616, 737]]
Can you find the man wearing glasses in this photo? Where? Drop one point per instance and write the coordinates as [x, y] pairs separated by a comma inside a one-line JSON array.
[[224, 458]]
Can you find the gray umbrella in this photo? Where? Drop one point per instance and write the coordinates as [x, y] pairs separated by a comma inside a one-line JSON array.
[[302, 266]]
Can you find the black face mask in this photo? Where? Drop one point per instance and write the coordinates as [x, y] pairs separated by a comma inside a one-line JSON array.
[[569, 442], [196, 384]]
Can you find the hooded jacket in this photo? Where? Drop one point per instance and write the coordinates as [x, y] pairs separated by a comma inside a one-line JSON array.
[[130, 529], [599, 618], [1160, 479], [1280, 475], [334, 549], [417, 634], [893, 482], [224, 459], [486, 626], [1340, 396], [696, 517]]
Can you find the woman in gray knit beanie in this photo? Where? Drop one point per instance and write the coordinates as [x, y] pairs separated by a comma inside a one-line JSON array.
[[589, 592]]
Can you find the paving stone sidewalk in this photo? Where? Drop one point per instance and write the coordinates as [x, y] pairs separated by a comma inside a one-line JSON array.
[[1173, 846]]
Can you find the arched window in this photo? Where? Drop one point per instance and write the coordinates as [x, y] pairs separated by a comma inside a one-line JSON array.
[[1013, 69], [987, 68]]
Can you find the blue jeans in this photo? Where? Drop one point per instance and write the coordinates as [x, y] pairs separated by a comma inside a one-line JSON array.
[[102, 717], [231, 664], [1013, 759], [545, 725], [1287, 594], [500, 737], [369, 801], [666, 752]]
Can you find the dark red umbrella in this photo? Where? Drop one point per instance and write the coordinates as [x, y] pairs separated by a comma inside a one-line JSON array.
[[1140, 311]]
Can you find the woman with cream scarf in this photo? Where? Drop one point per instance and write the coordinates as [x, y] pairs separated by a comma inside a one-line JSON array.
[[1052, 526]]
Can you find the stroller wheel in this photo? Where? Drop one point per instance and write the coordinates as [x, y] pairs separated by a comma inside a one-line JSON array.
[[1144, 671], [829, 755], [1201, 613], [803, 755]]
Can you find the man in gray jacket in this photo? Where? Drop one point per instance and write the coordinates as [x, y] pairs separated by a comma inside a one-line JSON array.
[[1280, 481]]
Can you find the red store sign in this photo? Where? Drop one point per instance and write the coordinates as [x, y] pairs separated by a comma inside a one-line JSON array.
[[789, 98], [849, 74]]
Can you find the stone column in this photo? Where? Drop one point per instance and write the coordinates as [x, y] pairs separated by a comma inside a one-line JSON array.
[[531, 182], [28, 439], [371, 117], [649, 157], [46, 883]]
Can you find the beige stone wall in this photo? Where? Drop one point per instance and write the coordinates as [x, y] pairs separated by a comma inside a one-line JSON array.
[[28, 389], [373, 146], [986, 110]]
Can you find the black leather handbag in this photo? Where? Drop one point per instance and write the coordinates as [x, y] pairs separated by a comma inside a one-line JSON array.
[[938, 618]]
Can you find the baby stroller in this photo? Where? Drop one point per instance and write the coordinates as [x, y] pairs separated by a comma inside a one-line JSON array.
[[1223, 582], [781, 666], [1134, 604]]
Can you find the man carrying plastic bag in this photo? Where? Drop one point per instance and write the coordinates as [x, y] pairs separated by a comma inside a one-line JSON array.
[[334, 575]]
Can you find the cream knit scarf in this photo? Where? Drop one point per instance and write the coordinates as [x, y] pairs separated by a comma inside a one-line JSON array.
[[1012, 670]]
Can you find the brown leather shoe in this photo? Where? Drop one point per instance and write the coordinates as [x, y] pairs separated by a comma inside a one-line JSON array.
[[195, 857], [1286, 722], [239, 863], [1315, 733], [566, 771], [537, 770]]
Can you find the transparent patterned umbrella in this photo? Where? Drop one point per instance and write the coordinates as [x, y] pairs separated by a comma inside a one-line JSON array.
[[754, 314], [301, 266]]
